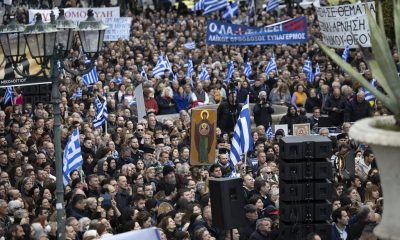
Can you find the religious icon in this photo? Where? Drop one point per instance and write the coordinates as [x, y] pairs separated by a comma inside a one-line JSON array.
[[302, 129], [203, 136]]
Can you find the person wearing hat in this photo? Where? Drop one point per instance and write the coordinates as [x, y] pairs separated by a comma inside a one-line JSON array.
[[148, 156], [169, 178], [251, 216]]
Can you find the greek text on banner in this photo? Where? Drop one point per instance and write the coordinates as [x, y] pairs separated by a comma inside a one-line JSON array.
[[345, 25], [291, 31]]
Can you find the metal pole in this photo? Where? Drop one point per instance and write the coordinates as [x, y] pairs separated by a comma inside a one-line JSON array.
[[55, 99]]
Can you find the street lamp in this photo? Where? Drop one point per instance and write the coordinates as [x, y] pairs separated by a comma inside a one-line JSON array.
[[49, 44]]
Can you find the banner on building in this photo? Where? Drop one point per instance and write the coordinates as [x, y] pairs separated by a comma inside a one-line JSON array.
[[345, 25], [117, 28], [203, 136], [76, 14], [291, 31]]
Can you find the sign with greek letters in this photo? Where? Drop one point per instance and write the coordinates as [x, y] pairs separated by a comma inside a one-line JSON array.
[[345, 25], [291, 31], [117, 28]]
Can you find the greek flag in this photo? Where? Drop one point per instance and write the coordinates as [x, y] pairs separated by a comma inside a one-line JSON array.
[[101, 113], [8, 95], [272, 4], [198, 6], [231, 10], [317, 71], [368, 95], [247, 69], [251, 8], [271, 66], [190, 45], [346, 53], [269, 132], [231, 70], [72, 156], [144, 74], [77, 94], [91, 77], [211, 6], [118, 80], [160, 67], [190, 70], [204, 74], [307, 68], [242, 141]]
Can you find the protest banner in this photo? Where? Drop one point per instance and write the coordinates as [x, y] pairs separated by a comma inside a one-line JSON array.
[[117, 28], [345, 25], [141, 109], [291, 31], [76, 14]]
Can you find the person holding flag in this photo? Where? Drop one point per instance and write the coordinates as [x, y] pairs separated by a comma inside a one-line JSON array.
[[242, 141], [72, 156]]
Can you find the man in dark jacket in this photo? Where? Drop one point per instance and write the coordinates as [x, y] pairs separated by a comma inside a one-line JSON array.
[[263, 230], [123, 197], [335, 106], [228, 113], [262, 111], [249, 227], [357, 108]]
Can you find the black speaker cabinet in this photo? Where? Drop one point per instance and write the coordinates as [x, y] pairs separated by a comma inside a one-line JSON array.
[[303, 191], [297, 147], [303, 169], [296, 191], [305, 212], [227, 202]]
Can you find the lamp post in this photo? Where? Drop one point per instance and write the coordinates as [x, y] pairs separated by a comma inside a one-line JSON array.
[[49, 44]]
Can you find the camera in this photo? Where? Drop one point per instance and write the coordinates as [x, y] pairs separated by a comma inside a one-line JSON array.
[[232, 85]]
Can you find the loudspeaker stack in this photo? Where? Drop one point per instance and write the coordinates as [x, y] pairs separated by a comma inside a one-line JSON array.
[[305, 186]]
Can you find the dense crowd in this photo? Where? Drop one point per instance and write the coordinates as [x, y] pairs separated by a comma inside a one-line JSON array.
[[137, 172]]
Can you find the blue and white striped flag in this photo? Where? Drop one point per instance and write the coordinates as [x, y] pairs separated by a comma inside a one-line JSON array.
[[190, 45], [8, 95], [144, 74], [231, 10], [160, 67], [211, 6], [272, 4], [101, 113], [91, 77], [72, 156], [198, 6], [346, 53], [247, 69], [307, 68], [204, 73], [269, 132], [271, 66], [77, 94], [242, 141], [190, 70], [229, 74], [317, 71], [251, 11], [368, 95]]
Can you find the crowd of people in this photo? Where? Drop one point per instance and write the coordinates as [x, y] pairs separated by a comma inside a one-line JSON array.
[[137, 173]]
